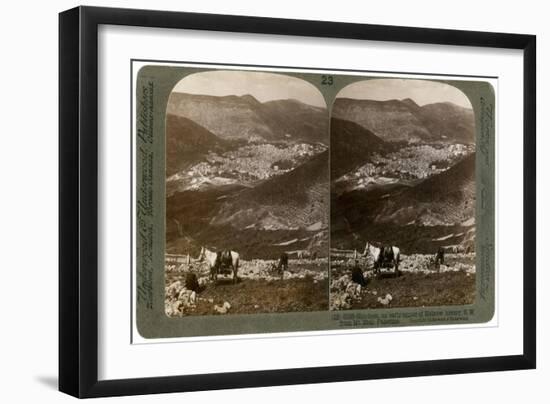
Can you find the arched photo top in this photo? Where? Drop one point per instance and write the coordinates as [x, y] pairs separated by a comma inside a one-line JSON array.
[[263, 86], [250, 106], [408, 110], [422, 92]]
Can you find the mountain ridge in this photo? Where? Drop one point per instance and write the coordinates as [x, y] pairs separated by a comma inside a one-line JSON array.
[[246, 118], [404, 120]]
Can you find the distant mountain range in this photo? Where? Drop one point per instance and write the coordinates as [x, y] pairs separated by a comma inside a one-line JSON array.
[[244, 117], [406, 121]]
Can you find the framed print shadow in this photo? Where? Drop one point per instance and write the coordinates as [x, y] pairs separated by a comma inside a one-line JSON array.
[[336, 192]]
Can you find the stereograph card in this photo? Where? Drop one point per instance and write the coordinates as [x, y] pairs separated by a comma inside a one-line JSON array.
[[277, 200]]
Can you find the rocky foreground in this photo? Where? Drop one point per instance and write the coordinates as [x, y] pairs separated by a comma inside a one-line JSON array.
[[419, 283], [260, 288]]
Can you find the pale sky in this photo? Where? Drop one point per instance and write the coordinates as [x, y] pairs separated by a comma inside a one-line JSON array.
[[420, 91], [263, 86]]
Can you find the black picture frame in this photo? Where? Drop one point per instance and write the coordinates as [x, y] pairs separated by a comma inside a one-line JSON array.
[[78, 196]]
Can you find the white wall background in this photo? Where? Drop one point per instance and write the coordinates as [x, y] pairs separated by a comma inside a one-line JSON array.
[[28, 202]]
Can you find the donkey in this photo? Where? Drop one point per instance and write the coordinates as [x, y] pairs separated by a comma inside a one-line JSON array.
[[220, 262], [383, 257]]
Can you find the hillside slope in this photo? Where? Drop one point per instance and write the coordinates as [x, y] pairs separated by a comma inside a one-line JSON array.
[[187, 143], [439, 211], [444, 199], [297, 199], [445, 120], [351, 146]]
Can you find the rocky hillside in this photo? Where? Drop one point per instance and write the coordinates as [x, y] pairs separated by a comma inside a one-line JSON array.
[[443, 199], [405, 121], [439, 211], [244, 117], [449, 197], [296, 199]]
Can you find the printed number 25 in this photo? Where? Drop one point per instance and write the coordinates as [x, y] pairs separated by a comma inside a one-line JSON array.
[[326, 80]]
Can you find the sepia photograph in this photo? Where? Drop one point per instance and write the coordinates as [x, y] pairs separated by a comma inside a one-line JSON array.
[[247, 195], [280, 200], [403, 195]]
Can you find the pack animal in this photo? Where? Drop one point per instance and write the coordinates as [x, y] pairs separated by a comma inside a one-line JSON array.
[[385, 256], [220, 262]]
